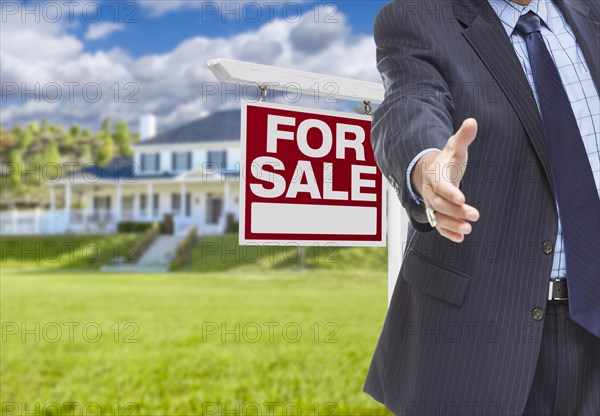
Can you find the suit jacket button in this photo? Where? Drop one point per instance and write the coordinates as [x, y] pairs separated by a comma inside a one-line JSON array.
[[548, 247], [537, 314]]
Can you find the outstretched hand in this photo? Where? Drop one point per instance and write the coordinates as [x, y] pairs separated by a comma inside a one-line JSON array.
[[436, 178]]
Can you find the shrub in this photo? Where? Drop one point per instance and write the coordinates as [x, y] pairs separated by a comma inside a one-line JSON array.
[[184, 250], [127, 227], [145, 242], [233, 226], [168, 225]]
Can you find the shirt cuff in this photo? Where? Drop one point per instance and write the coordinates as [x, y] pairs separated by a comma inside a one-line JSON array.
[[409, 172]]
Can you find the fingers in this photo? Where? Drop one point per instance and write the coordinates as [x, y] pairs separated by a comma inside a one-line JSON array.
[[447, 191], [458, 211], [452, 218], [447, 225], [460, 142], [449, 200], [452, 228]]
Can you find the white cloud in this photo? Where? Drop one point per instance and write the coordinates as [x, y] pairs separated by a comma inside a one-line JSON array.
[[40, 57], [211, 8], [102, 30]]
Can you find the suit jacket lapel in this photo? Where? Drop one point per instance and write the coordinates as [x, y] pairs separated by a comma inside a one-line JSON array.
[[484, 31], [585, 22]]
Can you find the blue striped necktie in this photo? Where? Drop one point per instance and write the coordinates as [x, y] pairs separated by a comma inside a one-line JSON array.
[[574, 185]]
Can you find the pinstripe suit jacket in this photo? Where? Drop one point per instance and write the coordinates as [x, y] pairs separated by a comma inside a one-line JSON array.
[[460, 335]]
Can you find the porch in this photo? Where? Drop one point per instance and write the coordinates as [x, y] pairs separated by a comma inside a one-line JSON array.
[[84, 208]]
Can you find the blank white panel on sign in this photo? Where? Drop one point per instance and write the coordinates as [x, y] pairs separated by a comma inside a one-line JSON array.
[[313, 219]]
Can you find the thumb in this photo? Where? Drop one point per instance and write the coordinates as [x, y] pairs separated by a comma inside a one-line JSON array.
[[460, 142]]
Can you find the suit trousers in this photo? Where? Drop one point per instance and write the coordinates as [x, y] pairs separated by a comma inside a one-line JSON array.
[[567, 375]]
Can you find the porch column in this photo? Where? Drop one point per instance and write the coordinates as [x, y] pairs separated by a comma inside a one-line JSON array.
[[136, 206], [227, 198], [118, 203], [52, 201], [68, 201], [52, 210], [182, 205], [14, 220], [202, 217], [36, 220], [149, 201]]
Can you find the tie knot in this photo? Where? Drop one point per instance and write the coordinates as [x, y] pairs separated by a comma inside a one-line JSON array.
[[528, 23]]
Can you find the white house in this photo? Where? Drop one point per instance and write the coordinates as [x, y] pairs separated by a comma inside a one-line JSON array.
[[190, 172]]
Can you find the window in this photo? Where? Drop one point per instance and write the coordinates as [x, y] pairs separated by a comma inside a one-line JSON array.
[[214, 210], [188, 205], [156, 203], [176, 204], [150, 162], [101, 203], [218, 157], [182, 161], [144, 203], [127, 203]]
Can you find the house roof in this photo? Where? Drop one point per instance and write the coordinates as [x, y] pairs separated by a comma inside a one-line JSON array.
[[217, 127], [124, 169], [117, 168]]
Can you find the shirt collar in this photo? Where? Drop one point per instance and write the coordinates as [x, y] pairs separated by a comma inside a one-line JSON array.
[[509, 12]]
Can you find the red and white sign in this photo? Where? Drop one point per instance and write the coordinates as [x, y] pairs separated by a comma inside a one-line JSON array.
[[309, 176]]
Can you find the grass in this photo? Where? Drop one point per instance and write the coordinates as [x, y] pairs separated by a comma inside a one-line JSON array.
[[193, 343], [66, 251], [222, 253]]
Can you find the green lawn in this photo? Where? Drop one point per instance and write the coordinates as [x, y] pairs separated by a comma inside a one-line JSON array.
[[66, 251], [168, 343], [222, 253]]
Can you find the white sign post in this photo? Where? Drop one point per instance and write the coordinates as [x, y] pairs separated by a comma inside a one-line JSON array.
[[277, 78]]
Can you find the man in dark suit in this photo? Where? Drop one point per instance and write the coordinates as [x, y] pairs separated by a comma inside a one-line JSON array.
[[496, 310]]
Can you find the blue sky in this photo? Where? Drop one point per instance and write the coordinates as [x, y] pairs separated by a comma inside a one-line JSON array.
[[155, 52], [145, 32]]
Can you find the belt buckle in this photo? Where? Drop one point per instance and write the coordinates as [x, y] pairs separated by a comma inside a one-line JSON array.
[[551, 289]]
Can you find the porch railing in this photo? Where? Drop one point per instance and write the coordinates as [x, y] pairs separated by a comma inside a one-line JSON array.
[[99, 221]]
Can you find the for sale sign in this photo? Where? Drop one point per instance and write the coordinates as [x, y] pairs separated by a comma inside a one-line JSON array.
[[309, 176]]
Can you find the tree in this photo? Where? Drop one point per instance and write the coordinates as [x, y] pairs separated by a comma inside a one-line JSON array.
[[105, 150], [15, 167], [51, 154], [122, 139], [24, 136], [84, 154], [45, 126], [34, 128], [36, 145]]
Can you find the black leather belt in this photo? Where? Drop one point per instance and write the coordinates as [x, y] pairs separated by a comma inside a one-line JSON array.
[[557, 290]]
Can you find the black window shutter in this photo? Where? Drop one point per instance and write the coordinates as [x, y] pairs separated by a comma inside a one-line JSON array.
[[143, 162], [189, 160], [157, 156], [224, 159], [173, 161]]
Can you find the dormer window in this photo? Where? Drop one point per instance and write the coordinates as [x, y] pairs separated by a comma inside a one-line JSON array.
[[182, 161], [150, 162], [218, 158]]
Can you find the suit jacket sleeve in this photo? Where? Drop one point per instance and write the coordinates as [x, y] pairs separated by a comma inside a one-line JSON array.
[[416, 112]]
